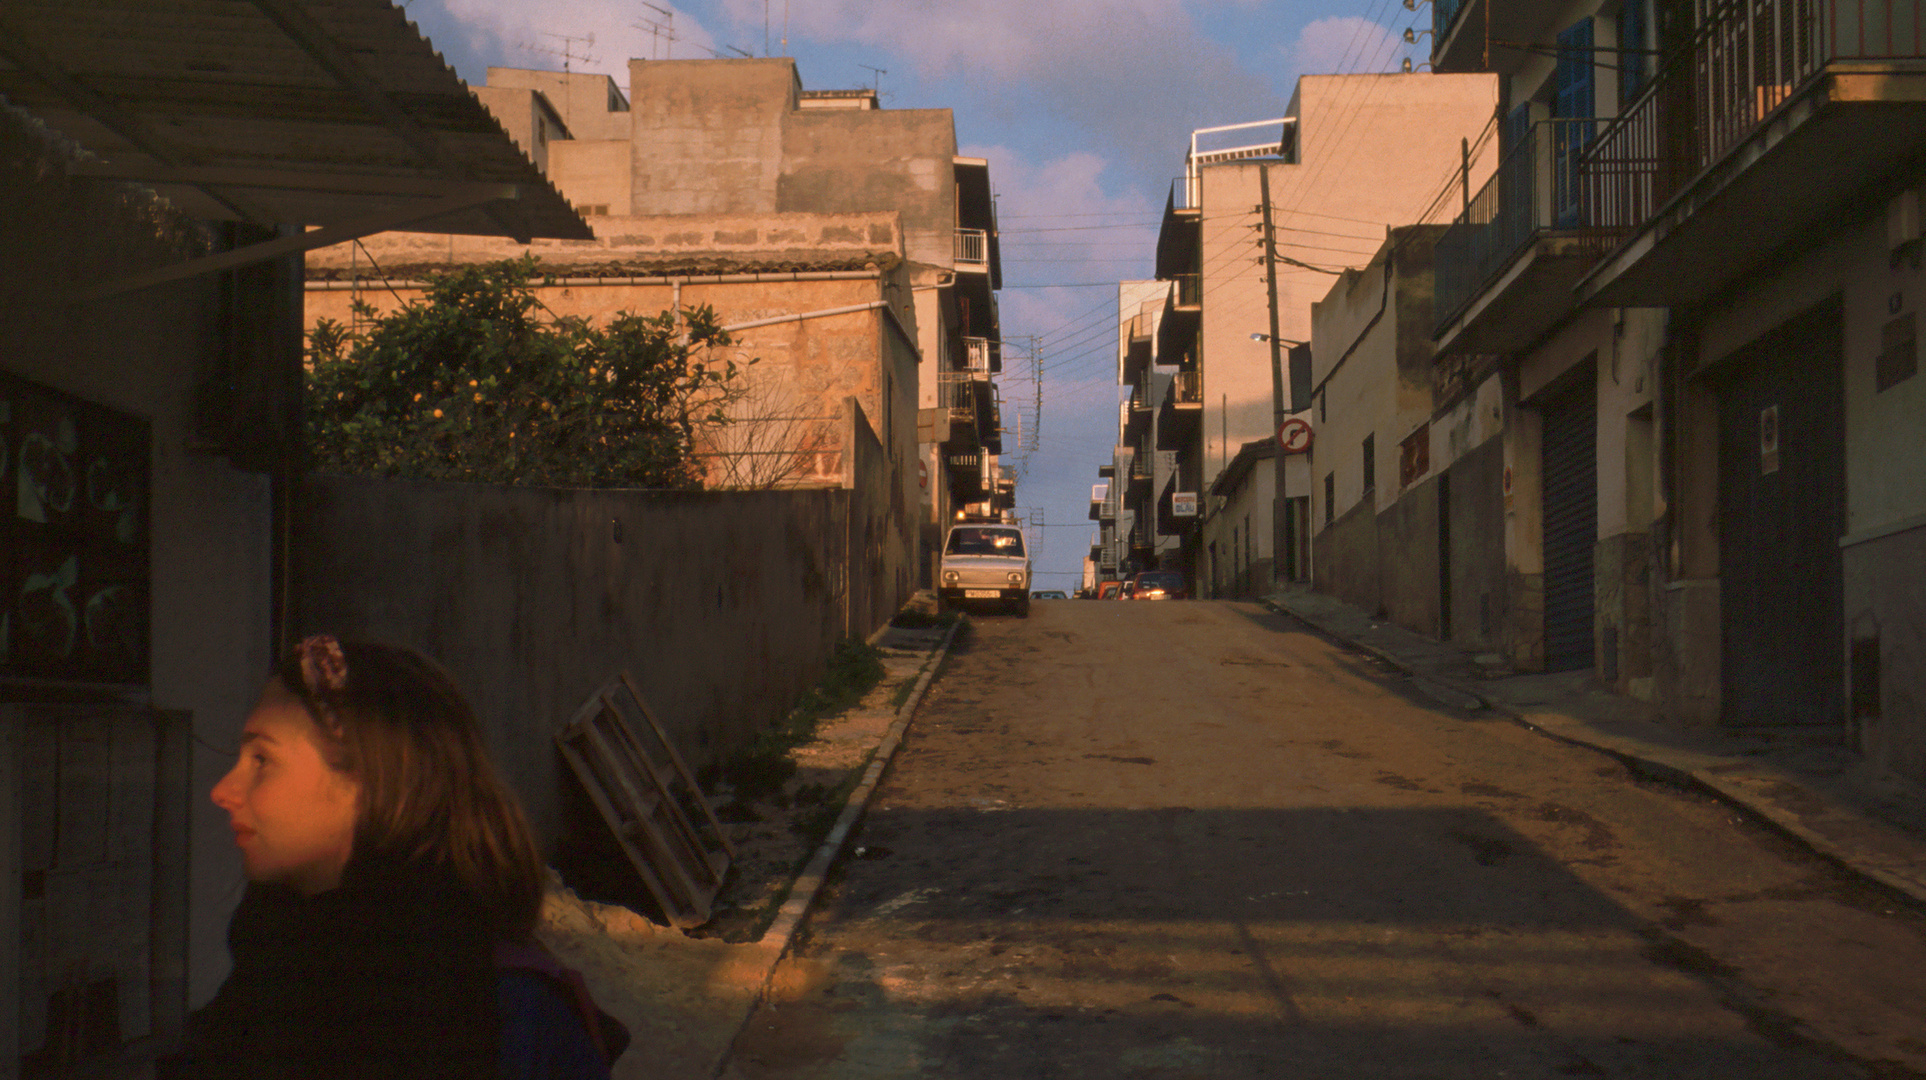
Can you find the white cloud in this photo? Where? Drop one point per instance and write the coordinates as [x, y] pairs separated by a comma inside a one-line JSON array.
[[1343, 44], [1134, 74], [525, 35]]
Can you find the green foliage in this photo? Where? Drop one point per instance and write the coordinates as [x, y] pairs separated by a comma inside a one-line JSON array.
[[481, 382], [759, 770]]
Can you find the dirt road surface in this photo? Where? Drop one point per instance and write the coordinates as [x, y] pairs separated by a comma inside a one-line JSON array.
[[1143, 840]]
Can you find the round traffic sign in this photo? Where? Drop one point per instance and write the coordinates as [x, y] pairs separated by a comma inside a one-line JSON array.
[[1294, 435]]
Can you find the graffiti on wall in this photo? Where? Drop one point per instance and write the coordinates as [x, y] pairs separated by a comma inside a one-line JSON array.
[[74, 596]]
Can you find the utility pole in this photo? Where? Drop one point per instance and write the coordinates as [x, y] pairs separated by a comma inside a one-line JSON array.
[[1278, 500]]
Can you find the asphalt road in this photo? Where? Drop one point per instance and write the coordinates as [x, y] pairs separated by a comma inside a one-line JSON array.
[[1179, 840]]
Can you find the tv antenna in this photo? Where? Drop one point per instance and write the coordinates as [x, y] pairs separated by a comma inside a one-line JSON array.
[[744, 53], [880, 72], [659, 30], [568, 51]]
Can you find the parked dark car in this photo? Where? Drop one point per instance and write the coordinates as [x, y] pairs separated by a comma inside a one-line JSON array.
[[1158, 585], [1048, 594]]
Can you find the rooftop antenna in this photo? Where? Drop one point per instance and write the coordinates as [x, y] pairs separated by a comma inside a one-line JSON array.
[[740, 52], [568, 52], [664, 28], [880, 72], [765, 27]]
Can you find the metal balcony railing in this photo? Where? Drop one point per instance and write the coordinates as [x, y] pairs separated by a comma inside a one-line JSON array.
[[1746, 58], [972, 247], [1140, 467], [1189, 291], [955, 391], [1537, 187], [1186, 193], [976, 356], [1139, 401], [1187, 388]]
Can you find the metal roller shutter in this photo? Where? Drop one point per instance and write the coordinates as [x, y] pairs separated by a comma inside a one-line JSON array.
[[1570, 446]]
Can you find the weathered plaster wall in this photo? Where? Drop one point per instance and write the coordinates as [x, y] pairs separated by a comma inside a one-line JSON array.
[[1477, 520], [1344, 559], [845, 161], [1408, 571], [146, 353], [706, 135], [1886, 639]]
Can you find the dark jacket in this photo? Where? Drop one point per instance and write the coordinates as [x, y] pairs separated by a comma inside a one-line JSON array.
[[391, 976]]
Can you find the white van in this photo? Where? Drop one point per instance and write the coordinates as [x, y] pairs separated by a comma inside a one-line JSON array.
[[984, 563]]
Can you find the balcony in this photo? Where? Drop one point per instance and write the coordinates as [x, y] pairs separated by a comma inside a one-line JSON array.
[[1781, 119], [1136, 347], [1506, 267], [1183, 318], [970, 398], [980, 357], [1179, 236], [973, 249]]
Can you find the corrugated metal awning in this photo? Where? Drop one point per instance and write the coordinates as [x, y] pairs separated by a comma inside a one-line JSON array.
[[319, 113]]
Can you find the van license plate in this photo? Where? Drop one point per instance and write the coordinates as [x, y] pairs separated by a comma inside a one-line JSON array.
[[981, 594]]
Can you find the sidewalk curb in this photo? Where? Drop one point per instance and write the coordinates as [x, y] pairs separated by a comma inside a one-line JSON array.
[[1654, 766], [776, 941]]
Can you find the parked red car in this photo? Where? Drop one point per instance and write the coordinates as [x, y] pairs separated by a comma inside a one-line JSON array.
[[1109, 590], [1158, 585]]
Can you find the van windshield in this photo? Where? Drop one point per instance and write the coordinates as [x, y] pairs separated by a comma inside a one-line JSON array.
[[983, 540]]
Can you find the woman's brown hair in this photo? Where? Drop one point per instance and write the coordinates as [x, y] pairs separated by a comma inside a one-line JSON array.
[[430, 797]]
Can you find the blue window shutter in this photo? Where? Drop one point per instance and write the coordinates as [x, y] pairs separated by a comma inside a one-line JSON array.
[[1573, 79], [1573, 107]]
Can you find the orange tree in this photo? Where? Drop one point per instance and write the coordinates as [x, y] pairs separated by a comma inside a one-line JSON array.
[[479, 381]]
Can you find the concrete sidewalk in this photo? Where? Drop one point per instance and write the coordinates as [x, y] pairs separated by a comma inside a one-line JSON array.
[[1824, 796]]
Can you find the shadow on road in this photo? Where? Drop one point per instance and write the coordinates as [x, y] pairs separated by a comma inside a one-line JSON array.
[[1308, 943]]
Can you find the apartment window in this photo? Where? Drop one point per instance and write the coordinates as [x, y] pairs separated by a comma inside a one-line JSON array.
[[1370, 463], [1573, 106], [1330, 495], [1320, 409]]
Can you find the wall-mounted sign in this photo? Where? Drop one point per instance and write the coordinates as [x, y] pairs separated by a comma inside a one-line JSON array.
[[1183, 504], [73, 598], [1099, 492], [1294, 435]]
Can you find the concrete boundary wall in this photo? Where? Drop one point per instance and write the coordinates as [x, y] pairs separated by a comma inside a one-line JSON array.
[[725, 605]]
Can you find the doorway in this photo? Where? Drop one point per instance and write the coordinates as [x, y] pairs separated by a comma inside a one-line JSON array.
[[1782, 510]]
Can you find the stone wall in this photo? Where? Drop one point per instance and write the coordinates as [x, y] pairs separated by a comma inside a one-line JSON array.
[[724, 605]]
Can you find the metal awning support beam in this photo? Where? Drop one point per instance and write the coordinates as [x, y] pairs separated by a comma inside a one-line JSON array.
[[275, 179], [14, 46], [315, 41], [473, 195]]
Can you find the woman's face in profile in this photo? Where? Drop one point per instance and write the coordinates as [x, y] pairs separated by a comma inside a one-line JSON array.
[[293, 815]]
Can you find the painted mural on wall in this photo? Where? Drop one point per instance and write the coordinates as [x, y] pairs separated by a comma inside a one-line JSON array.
[[76, 547]]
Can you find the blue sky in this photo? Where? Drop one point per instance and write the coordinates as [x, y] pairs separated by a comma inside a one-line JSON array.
[[1083, 107]]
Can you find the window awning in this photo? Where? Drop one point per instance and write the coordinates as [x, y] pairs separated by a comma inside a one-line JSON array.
[[332, 115]]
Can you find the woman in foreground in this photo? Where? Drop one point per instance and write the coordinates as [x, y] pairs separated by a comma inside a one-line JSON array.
[[394, 887]]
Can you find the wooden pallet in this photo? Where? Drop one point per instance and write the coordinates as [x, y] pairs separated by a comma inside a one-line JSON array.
[[649, 799]]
